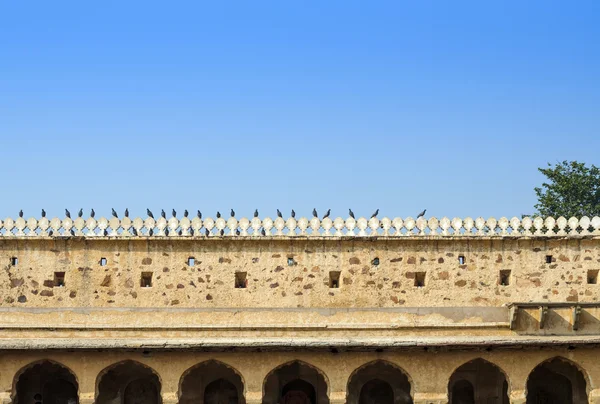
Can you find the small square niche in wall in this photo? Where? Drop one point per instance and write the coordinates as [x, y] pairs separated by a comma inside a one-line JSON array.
[[103, 262], [191, 261], [419, 279], [146, 280], [334, 279], [14, 261], [592, 277], [59, 279], [241, 280]]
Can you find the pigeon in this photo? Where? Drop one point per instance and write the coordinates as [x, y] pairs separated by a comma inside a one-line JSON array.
[[174, 213], [150, 232], [105, 232], [218, 214], [180, 232], [237, 232], [50, 232], [232, 213], [207, 232], [327, 214], [422, 213], [80, 213], [114, 213], [43, 213], [199, 214], [72, 232], [351, 213], [167, 231], [134, 231], [92, 213], [163, 214], [255, 212], [375, 213], [222, 232], [185, 213], [126, 212], [67, 213], [279, 213], [293, 213], [149, 213], [263, 232], [21, 213], [315, 214]]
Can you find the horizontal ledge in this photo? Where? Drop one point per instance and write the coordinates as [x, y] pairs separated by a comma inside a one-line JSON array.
[[306, 343]]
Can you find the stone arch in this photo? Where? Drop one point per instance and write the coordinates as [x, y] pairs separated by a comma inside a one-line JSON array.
[[217, 380], [379, 381], [45, 380], [128, 382], [296, 382], [478, 381], [557, 380]]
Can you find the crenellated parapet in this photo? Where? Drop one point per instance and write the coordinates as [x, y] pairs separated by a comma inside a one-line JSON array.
[[314, 227]]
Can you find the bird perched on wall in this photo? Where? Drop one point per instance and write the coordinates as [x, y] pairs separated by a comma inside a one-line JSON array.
[[422, 213], [174, 213], [199, 214], [222, 232], [293, 213], [149, 213], [114, 213], [126, 212], [279, 213], [43, 213], [351, 213], [80, 213], [163, 214], [315, 214], [237, 232], [207, 232], [375, 214], [185, 213], [67, 213], [327, 214], [218, 214], [134, 231], [232, 213], [92, 213], [255, 212], [21, 213], [263, 232]]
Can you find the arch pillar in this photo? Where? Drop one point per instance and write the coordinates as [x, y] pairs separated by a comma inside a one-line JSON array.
[[594, 397], [517, 396], [86, 398], [5, 397], [254, 397], [337, 397], [430, 398]]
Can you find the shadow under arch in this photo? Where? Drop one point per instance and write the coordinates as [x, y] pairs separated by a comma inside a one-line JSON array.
[[296, 382], [557, 380], [128, 382], [478, 381], [379, 381], [46, 380], [212, 382]]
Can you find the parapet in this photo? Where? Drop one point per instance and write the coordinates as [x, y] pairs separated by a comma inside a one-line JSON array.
[[302, 227]]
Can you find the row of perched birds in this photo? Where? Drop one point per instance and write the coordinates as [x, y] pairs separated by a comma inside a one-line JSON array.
[[199, 214]]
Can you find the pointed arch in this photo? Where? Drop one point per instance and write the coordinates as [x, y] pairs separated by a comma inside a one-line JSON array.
[[558, 380], [296, 381], [45, 380], [210, 380], [379, 381], [478, 381], [130, 382]]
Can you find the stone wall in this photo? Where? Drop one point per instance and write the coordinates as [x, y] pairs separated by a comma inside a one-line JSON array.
[[296, 272]]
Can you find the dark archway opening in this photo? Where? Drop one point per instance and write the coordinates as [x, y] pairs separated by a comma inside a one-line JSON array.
[[211, 382], [295, 383], [379, 382], [128, 382], [478, 382], [46, 382], [556, 382]]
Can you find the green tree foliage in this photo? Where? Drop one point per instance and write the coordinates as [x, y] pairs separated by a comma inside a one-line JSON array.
[[572, 189]]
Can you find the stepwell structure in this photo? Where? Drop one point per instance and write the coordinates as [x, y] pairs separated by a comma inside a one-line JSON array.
[[191, 310]]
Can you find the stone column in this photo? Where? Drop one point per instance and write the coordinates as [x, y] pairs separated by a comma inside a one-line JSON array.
[[337, 397], [431, 398], [169, 397], [5, 397], [86, 398], [594, 397], [517, 396], [253, 397]]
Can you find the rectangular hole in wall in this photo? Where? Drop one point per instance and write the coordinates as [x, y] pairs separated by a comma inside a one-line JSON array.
[[59, 279], [146, 280], [504, 279], [241, 280], [191, 261], [461, 260], [102, 262], [419, 279], [548, 259], [592, 276], [334, 279], [14, 261], [291, 261]]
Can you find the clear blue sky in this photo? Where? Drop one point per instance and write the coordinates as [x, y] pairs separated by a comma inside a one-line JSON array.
[[444, 105]]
